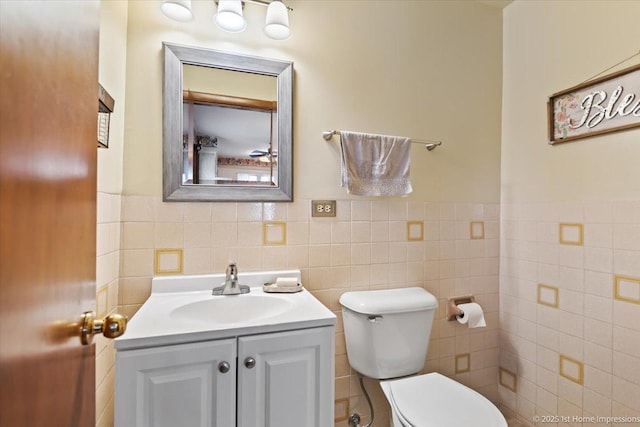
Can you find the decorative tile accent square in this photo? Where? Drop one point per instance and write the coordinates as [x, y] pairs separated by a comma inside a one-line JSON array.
[[463, 363], [415, 231], [627, 289], [508, 379], [274, 233], [571, 369], [476, 230], [571, 234], [548, 295], [102, 302], [341, 409], [168, 261]]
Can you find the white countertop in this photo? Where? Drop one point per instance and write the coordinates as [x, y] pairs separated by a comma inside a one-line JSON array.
[[155, 325]]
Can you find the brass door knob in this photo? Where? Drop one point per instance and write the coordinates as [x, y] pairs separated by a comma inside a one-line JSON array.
[[111, 326]]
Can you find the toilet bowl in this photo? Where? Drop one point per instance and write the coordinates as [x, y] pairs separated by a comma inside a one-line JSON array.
[[387, 335], [433, 400]]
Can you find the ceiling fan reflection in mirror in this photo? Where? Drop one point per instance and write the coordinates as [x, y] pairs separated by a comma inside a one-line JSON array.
[[264, 155]]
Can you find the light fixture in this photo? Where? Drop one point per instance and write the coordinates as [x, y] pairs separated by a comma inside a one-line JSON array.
[[229, 15], [276, 25], [180, 10]]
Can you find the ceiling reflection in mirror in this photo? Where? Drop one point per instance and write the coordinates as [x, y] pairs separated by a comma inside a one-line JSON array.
[[229, 127]]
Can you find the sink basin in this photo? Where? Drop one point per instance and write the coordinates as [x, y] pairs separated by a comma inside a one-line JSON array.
[[181, 310], [231, 309]]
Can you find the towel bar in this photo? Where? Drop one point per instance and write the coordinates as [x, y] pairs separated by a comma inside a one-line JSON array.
[[428, 144]]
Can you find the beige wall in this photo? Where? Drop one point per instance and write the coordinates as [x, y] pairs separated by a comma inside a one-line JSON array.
[[112, 73], [112, 70], [429, 70], [593, 183], [548, 47]]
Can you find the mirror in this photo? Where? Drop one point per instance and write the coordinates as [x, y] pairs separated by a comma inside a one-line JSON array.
[[227, 126]]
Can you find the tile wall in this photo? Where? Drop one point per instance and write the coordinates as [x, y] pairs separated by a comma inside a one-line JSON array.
[[107, 280], [447, 248], [570, 312]]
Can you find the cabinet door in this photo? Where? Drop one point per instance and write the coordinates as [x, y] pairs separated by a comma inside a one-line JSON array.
[[179, 385], [291, 384]]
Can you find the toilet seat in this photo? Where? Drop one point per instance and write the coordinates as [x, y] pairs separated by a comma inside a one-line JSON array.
[[433, 400]]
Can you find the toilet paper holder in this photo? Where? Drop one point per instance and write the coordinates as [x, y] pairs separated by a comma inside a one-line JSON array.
[[452, 305]]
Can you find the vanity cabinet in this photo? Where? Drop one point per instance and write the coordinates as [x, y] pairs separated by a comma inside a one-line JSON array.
[[282, 379], [177, 385]]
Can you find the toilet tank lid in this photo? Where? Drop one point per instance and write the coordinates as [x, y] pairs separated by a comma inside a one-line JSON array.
[[389, 301]]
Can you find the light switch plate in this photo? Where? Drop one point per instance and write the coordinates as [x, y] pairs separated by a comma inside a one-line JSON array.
[[323, 208]]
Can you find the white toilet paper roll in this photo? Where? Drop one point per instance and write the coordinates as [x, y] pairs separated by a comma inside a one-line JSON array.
[[472, 315]]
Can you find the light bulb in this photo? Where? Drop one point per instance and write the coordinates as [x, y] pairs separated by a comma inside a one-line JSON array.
[[229, 17], [277, 22], [178, 10]]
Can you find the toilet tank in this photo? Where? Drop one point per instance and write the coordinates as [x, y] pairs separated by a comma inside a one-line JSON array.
[[387, 331]]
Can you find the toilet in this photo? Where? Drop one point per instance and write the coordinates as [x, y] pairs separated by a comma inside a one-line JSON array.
[[387, 335]]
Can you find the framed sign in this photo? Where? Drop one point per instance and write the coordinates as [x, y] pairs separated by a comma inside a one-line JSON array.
[[105, 107], [607, 104]]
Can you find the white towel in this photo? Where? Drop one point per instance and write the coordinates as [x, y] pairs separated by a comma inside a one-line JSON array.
[[375, 165]]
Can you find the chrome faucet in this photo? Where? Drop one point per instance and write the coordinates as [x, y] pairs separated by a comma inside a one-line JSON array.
[[231, 285]]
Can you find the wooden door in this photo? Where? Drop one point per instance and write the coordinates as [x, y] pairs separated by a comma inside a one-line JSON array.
[[48, 131], [285, 379]]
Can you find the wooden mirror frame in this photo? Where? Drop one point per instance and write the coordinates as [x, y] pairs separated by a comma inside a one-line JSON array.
[[173, 188]]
